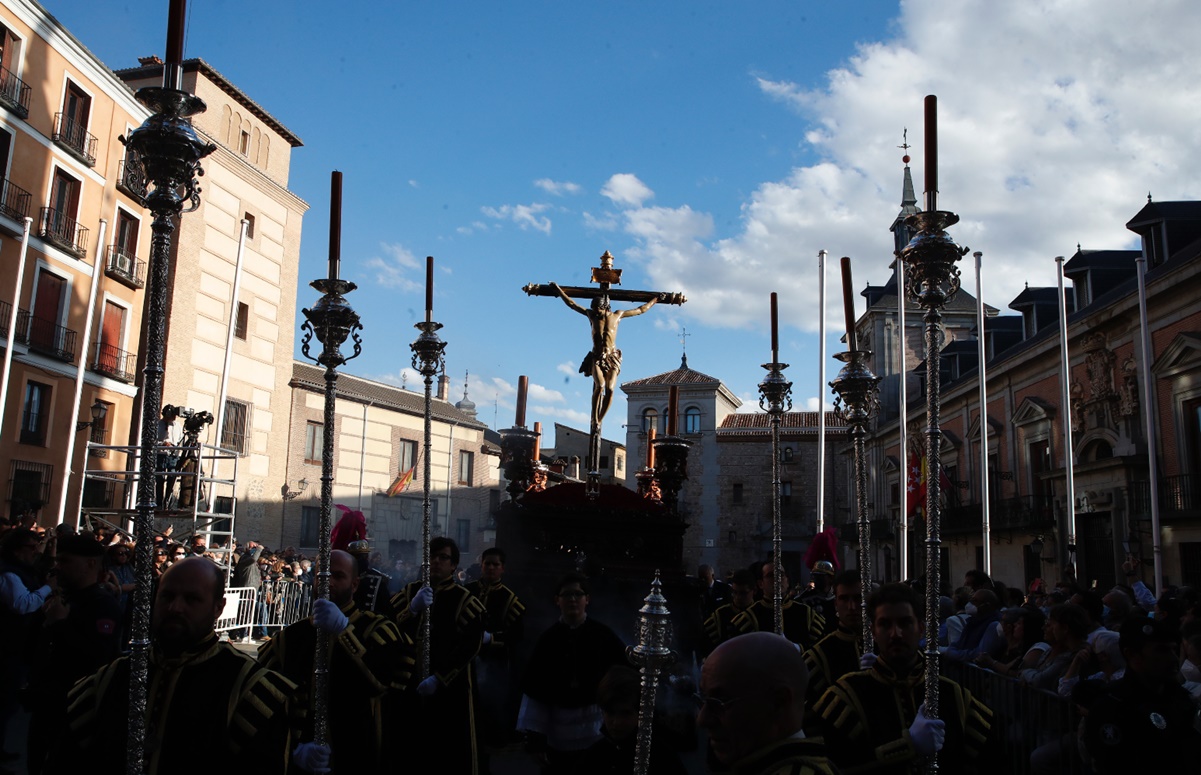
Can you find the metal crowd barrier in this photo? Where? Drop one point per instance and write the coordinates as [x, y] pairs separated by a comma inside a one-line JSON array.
[[1024, 719], [251, 611]]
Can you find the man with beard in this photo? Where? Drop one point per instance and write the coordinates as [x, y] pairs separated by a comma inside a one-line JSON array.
[[200, 691], [875, 719], [752, 704], [802, 625], [839, 652], [369, 657], [446, 712]]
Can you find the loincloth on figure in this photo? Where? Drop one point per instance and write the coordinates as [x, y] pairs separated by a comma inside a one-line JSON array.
[[609, 362]]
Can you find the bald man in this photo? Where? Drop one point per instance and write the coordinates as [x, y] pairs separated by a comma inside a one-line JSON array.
[[370, 657], [208, 701], [752, 705]]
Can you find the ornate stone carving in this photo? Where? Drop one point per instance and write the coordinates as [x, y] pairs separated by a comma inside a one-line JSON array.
[[1128, 392], [1099, 362]]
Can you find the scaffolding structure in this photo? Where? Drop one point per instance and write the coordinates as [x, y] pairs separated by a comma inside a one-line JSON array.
[[202, 500]]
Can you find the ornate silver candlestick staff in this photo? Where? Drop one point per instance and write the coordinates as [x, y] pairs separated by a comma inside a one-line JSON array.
[[858, 399], [933, 279], [168, 151], [428, 360], [331, 321], [652, 654], [775, 398]]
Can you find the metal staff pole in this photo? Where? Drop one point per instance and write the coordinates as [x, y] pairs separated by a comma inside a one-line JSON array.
[[858, 399], [332, 321], [429, 361], [167, 152], [930, 259], [775, 398], [652, 655]]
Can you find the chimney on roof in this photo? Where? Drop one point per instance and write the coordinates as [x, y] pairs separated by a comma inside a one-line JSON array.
[[150, 60], [444, 388]]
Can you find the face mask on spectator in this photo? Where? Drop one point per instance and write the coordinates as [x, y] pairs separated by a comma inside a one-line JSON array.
[[1190, 671], [970, 609]]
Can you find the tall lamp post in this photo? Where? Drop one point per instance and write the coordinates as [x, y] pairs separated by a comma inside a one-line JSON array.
[[428, 360], [775, 398], [331, 321], [933, 279], [168, 150], [858, 399]]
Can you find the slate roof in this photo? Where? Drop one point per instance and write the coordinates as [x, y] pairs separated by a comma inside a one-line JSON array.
[[388, 396]]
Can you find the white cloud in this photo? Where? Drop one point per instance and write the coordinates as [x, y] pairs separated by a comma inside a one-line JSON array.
[[525, 216], [568, 368], [557, 188], [603, 222], [1053, 126], [625, 188], [397, 268], [414, 184], [570, 416]]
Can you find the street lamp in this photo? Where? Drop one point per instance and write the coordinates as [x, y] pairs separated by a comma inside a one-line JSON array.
[[1036, 547], [99, 412]]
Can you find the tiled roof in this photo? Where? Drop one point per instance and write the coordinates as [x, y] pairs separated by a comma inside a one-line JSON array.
[[681, 376], [379, 394], [790, 422]]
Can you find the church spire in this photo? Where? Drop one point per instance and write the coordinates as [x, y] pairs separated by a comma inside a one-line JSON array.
[[901, 232], [466, 406]]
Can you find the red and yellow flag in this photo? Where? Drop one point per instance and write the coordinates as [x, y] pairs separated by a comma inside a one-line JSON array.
[[402, 481]]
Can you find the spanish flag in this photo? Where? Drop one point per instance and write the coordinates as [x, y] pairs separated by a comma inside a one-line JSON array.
[[402, 481]]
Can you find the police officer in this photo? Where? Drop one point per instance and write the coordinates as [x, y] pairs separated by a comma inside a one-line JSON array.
[[1146, 713]]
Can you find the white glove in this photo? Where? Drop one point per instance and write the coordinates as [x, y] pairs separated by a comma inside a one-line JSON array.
[[430, 685], [422, 600], [867, 660], [311, 757], [487, 637], [328, 617], [927, 734]]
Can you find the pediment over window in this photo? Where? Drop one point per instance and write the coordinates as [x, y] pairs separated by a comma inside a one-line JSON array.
[[1034, 410], [891, 464], [1182, 355], [994, 428]]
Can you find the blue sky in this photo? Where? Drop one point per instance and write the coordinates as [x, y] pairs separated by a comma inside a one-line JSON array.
[[714, 148]]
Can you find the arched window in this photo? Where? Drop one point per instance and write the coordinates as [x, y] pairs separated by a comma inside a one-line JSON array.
[[692, 420], [650, 419], [786, 455]]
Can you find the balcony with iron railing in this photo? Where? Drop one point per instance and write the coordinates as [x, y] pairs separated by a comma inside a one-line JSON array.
[[1179, 498], [60, 229], [75, 138], [14, 201], [47, 336], [125, 267], [1026, 512], [98, 435], [14, 93], [113, 362], [131, 178]]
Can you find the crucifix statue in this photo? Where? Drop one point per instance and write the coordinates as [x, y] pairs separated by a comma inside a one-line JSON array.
[[603, 361]]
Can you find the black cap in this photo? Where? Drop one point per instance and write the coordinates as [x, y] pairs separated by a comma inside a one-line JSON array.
[[80, 546], [1138, 631]]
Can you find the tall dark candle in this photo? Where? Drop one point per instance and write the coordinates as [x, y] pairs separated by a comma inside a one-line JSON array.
[[176, 18], [523, 386], [429, 288], [537, 456], [931, 153], [335, 224], [775, 331], [848, 302]]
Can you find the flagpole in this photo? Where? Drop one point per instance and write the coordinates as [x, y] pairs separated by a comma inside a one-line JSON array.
[[821, 391], [984, 499], [902, 297], [1149, 414], [1065, 378]]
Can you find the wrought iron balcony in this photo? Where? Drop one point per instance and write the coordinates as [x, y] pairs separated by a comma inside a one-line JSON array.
[[14, 200], [131, 178], [112, 362], [1179, 498], [1028, 512], [47, 336], [75, 138], [6, 310], [125, 267], [61, 230], [966, 518], [14, 93]]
